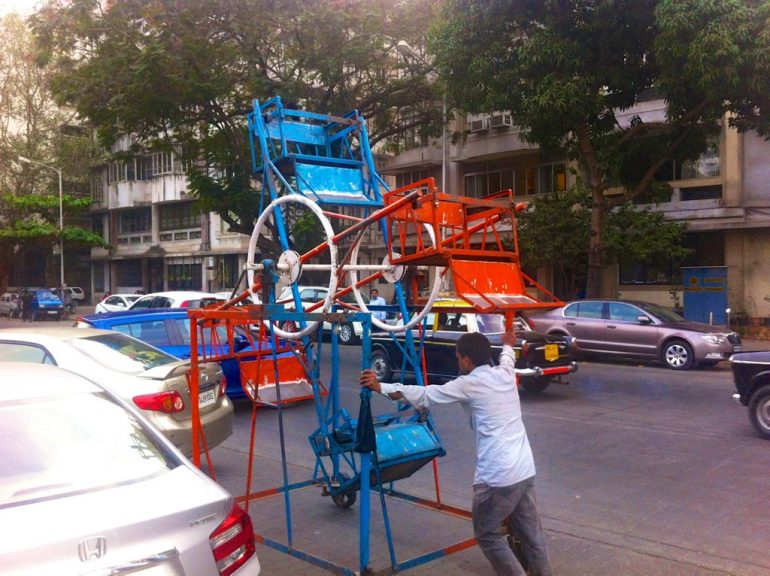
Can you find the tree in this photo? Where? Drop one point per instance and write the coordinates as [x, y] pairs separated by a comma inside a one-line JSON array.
[[30, 125], [565, 68], [555, 229], [183, 75]]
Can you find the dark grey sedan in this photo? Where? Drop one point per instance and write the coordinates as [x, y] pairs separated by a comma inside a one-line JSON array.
[[640, 330]]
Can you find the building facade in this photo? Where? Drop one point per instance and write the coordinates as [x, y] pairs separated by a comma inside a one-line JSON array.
[[723, 197], [158, 240]]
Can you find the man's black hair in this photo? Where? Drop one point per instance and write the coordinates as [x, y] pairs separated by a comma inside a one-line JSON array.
[[475, 346]]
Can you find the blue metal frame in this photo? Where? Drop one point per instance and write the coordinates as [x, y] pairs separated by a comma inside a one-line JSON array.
[[328, 160]]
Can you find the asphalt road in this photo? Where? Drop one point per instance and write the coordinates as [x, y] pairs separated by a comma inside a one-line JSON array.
[[641, 471]]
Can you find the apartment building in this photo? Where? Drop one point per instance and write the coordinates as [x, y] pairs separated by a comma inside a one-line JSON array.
[[158, 240], [724, 197]]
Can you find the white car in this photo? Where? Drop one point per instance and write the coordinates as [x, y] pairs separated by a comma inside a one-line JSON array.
[[175, 299], [10, 305], [88, 486], [116, 303], [148, 378], [349, 333]]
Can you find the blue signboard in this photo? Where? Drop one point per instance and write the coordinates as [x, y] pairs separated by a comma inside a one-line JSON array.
[[705, 294]]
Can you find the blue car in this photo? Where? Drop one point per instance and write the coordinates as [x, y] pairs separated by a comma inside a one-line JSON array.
[[45, 303], [169, 330]]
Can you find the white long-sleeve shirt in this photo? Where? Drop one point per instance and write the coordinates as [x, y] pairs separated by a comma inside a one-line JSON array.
[[491, 399]]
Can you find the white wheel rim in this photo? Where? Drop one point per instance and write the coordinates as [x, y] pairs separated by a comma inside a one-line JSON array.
[[328, 230]]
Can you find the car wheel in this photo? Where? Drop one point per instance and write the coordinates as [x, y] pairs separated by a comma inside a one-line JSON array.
[[534, 385], [381, 366], [759, 411], [347, 334], [677, 355]]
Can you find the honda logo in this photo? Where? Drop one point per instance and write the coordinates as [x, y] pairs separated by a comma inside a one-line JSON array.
[[92, 548]]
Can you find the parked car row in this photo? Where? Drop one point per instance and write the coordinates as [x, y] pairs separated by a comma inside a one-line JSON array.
[[101, 422]]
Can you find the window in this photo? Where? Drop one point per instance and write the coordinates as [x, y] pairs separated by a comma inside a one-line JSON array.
[[708, 249], [161, 163], [133, 221], [623, 312], [143, 168], [552, 178], [707, 165], [178, 216], [129, 272], [152, 332], [185, 274], [584, 310], [701, 193], [484, 178], [29, 353], [406, 178], [97, 188]]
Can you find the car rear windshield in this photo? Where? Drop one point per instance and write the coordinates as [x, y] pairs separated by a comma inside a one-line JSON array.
[[73, 443], [122, 353]]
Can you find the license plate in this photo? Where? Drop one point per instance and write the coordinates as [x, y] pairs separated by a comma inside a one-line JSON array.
[[207, 398], [551, 352]]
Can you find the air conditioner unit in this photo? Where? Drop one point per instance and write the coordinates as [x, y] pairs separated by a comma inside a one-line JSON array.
[[500, 121], [477, 125]]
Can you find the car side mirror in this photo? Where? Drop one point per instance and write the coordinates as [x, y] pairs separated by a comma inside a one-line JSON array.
[[642, 319]]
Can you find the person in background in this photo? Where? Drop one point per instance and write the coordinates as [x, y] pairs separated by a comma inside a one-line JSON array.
[[504, 480], [377, 300], [27, 298], [107, 294]]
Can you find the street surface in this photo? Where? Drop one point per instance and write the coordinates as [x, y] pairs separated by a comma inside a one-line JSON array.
[[641, 471]]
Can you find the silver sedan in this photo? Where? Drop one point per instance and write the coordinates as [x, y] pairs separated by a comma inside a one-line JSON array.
[[148, 378], [87, 486]]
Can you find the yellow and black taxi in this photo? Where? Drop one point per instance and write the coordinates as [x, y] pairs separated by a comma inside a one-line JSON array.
[[550, 357]]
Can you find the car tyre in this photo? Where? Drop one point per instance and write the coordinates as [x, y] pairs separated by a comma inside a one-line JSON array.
[[347, 334], [677, 355], [380, 364], [534, 385], [759, 411]]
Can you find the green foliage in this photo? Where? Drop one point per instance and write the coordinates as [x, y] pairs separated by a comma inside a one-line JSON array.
[[183, 76], [555, 230], [35, 218], [570, 72]]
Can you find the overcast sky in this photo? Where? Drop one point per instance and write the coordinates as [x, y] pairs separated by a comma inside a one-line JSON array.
[[23, 7]]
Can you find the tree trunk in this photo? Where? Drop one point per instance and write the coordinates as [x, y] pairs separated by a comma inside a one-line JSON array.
[[596, 246]]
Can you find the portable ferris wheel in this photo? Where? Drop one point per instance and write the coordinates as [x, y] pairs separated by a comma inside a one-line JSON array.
[[320, 167]]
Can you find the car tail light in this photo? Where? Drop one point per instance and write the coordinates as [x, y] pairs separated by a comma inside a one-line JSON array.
[[233, 541], [223, 386], [532, 323], [168, 402]]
